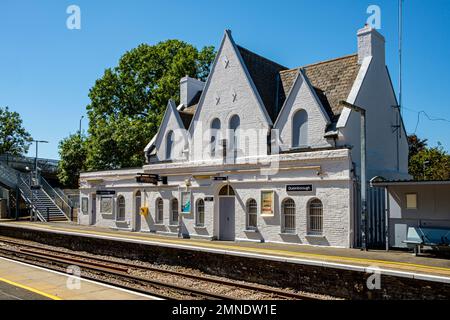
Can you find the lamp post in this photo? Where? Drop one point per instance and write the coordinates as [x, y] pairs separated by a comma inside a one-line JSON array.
[[81, 119], [363, 226], [36, 158]]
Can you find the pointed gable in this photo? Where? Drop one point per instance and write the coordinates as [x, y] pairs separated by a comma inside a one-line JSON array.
[[332, 80]]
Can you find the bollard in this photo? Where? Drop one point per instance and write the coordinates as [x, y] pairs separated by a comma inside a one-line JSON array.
[[71, 214], [48, 214]]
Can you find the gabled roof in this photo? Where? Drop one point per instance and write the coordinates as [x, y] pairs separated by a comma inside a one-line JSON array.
[[332, 80], [264, 74]]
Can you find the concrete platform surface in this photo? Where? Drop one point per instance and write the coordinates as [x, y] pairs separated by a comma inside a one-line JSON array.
[[19, 281], [398, 261]]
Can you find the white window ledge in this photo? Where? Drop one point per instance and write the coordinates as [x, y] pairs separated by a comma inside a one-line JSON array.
[[315, 236], [159, 224], [251, 231], [201, 227], [288, 234]]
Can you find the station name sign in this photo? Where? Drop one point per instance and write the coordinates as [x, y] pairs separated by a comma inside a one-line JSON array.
[[150, 178], [106, 192], [209, 198], [220, 178], [299, 188], [147, 178]]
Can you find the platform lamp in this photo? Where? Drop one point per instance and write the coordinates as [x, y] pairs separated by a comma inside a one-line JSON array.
[[36, 158], [363, 225]]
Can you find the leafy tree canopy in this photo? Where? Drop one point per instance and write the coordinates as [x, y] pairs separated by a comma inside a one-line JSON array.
[[14, 139], [427, 163], [128, 102], [73, 152]]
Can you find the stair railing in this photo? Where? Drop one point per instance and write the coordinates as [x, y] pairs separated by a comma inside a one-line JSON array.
[[27, 195], [8, 175], [59, 201]]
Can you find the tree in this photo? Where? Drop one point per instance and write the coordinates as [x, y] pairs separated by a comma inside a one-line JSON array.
[[416, 144], [14, 139], [73, 152], [427, 163], [128, 102]]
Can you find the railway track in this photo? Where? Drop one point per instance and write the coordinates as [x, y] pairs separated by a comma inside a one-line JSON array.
[[119, 273]]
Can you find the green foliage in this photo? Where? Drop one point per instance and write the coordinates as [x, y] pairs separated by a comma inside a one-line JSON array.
[[128, 102], [73, 152], [14, 139], [428, 163]]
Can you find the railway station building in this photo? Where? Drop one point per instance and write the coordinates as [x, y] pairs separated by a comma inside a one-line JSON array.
[[261, 152]]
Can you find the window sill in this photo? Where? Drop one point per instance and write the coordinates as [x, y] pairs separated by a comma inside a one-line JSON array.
[[288, 234], [200, 227], [159, 224], [315, 236], [173, 225], [251, 231]]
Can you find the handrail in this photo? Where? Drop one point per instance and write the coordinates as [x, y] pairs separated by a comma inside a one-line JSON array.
[[64, 196], [9, 174], [62, 205], [24, 186]]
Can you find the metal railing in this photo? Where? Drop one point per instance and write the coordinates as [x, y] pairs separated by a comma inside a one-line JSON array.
[[8, 175], [28, 196], [59, 201]]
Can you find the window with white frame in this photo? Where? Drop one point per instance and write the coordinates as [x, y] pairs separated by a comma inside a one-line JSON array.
[[200, 221], [215, 137], [252, 214], [288, 216], [120, 208], [159, 210], [315, 217], [169, 145], [174, 211]]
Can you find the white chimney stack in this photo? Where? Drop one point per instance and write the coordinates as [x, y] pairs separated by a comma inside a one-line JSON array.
[[371, 43], [189, 87]]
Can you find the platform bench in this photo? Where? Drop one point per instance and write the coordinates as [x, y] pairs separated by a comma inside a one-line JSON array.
[[436, 238]]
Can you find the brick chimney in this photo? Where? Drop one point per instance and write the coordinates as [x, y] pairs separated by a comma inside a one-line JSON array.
[[371, 43], [189, 87]]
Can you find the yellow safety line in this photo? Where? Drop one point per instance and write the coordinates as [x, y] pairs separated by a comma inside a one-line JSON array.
[[253, 250], [48, 295]]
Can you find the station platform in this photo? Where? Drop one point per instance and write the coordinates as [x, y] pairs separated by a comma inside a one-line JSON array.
[[20, 281], [395, 263]]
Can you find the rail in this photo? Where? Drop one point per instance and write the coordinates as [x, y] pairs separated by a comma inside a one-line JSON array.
[[59, 201]]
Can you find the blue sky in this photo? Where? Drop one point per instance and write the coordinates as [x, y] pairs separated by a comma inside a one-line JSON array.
[[46, 70]]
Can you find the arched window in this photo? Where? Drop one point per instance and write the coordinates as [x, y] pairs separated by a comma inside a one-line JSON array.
[[227, 191], [235, 123], [252, 218], [200, 221], [315, 217], [120, 208], [169, 145], [288, 216], [174, 211], [300, 129], [215, 136], [159, 210]]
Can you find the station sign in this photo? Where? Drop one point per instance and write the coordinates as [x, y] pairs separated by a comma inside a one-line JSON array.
[[220, 178], [299, 188], [147, 178], [106, 192], [209, 199]]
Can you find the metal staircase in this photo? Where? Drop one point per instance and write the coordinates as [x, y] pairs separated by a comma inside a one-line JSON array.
[[44, 202]]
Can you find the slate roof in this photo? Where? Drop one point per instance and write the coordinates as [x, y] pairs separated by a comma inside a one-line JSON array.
[[332, 80]]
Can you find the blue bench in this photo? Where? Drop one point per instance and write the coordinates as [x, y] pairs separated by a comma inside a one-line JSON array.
[[437, 238]]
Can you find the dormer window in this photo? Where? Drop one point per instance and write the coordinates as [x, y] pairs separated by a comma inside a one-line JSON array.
[[169, 145], [300, 129]]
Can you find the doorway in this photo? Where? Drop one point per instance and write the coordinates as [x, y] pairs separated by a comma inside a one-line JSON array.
[[227, 213], [94, 209], [137, 208]]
